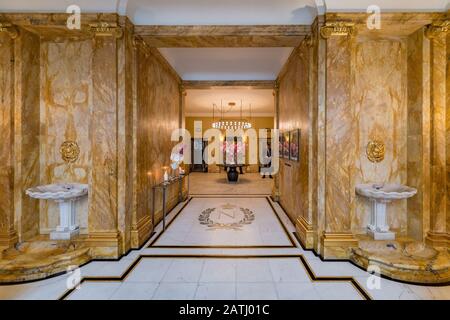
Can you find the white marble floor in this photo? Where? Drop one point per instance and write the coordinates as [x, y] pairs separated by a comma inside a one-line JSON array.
[[220, 273]]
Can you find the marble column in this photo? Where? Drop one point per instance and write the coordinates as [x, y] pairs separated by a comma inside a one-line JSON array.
[[276, 177], [418, 134], [438, 235], [26, 132], [340, 144], [321, 58], [103, 193], [125, 129], [8, 235]]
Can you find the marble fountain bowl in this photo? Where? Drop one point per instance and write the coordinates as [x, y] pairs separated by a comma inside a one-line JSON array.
[[39, 259], [386, 192], [58, 191], [66, 195], [410, 261]]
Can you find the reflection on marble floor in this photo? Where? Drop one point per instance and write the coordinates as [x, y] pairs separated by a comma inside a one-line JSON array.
[[216, 183], [204, 278], [226, 222]]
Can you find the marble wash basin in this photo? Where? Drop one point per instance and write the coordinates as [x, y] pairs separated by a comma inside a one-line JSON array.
[[380, 195], [58, 191], [386, 192], [66, 195]]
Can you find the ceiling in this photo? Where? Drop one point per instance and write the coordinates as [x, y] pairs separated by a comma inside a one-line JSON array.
[[199, 102], [229, 12], [227, 63]]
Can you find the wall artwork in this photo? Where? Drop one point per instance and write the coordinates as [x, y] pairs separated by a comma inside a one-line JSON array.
[[285, 145], [280, 145], [294, 145]]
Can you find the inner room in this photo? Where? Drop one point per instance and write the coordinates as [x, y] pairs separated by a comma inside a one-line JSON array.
[[237, 150]]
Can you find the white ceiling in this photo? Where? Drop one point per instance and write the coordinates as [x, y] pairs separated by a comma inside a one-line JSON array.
[[179, 12], [227, 63], [199, 102]]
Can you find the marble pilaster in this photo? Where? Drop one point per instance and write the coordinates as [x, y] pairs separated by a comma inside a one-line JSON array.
[[26, 132], [103, 191], [8, 235], [438, 234]]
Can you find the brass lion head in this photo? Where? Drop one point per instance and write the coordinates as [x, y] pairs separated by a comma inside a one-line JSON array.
[[375, 151], [69, 151]]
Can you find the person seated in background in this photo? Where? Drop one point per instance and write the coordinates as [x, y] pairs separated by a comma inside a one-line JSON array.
[[266, 167]]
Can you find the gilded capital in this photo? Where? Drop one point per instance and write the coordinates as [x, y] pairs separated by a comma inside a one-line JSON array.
[[9, 29], [309, 41], [337, 29], [437, 29], [105, 29]]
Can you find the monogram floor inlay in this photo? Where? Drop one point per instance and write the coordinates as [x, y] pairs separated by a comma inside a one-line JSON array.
[[226, 216]]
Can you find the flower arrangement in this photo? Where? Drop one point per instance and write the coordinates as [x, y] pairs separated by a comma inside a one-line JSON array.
[[234, 152], [177, 156]]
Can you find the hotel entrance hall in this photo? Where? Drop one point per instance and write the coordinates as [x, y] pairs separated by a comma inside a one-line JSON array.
[[238, 150]]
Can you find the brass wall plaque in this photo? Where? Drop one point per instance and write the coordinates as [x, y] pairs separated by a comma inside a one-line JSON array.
[[69, 151], [375, 151]]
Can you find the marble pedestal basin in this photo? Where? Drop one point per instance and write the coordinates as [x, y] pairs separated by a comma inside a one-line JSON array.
[[380, 195], [66, 195]]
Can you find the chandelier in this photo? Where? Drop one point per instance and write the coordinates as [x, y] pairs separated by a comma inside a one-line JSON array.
[[230, 123]]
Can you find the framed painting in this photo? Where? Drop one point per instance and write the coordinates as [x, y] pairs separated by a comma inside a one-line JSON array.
[[280, 144], [286, 145], [294, 145]]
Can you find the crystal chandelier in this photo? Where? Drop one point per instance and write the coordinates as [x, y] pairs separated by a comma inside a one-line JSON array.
[[229, 123]]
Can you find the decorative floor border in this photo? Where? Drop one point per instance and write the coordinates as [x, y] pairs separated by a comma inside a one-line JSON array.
[[288, 234], [313, 278]]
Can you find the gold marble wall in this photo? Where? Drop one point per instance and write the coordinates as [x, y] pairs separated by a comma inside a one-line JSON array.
[[158, 107], [379, 112], [388, 85], [7, 231], [66, 100], [294, 114]]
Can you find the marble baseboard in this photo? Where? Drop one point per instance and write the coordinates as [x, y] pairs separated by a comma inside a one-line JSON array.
[[438, 239], [305, 232], [141, 232], [337, 245], [104, 244], [8, 239]]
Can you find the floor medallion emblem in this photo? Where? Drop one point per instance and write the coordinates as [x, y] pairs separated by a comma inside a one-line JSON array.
[[227, 217]]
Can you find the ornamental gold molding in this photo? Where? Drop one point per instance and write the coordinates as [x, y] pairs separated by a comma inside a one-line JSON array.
[[70, 151], [375, 151], [9, 29], [309, 41], [437, 29], [105, 29], [338, 29]]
